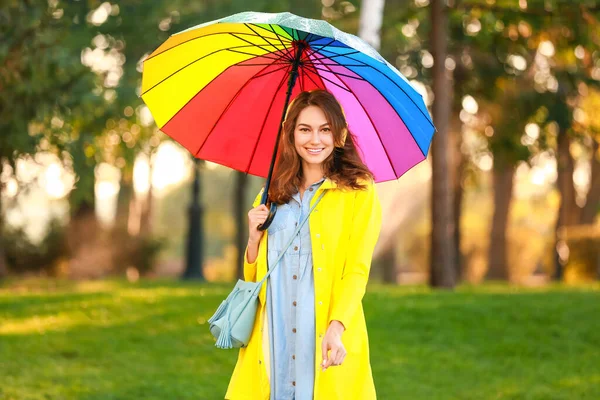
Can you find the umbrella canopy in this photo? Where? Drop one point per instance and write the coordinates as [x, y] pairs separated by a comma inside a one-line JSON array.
[[219, 89]]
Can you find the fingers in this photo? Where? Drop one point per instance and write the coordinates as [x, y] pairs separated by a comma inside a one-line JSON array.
[[257, 216], [332, 356], [324, 353], [340, 357], [336, 356]]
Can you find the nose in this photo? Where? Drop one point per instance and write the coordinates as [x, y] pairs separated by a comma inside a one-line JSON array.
[[315, 137]]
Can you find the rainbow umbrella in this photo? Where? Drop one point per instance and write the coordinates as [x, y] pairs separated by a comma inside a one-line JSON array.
[[221, 89]]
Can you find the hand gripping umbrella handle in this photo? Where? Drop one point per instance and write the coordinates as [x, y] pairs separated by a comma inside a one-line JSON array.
[[270, 218], [271, 215]]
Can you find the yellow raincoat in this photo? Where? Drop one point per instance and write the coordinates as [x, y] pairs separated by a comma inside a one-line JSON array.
[[344, 228]]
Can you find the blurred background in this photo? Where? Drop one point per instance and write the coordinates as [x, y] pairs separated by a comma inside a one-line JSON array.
[[90, 188], [116, 246]]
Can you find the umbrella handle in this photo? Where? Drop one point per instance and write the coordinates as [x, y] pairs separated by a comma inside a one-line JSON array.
[[269, 219]]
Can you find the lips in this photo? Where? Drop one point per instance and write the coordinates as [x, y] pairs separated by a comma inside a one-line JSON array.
[[314, 151]]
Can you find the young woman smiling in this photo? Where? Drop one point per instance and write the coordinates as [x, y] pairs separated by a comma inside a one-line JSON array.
[[309, 339]]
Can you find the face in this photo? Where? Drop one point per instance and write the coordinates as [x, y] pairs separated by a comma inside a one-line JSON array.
[[313, 137]]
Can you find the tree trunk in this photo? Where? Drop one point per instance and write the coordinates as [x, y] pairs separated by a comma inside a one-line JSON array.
[[147, 203], [387, 260], [371, 17], [503, 189], [3, 266], [457, 177], [568, 211], [588, 214], [126, 193], [240, 214], [443, 271], [89, 258]]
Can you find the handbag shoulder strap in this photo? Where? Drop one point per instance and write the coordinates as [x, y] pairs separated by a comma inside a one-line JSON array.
[[292, 238]]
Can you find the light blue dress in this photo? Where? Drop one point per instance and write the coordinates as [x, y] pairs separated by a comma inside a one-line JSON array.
[[291, 302]]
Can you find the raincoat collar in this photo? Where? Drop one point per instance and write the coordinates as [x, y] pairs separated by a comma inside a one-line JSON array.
[[328, 184]]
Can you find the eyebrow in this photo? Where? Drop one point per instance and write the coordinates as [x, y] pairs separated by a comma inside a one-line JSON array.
[[325, 124]]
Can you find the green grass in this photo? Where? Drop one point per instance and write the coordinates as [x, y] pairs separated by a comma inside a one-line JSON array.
[[149, 340]]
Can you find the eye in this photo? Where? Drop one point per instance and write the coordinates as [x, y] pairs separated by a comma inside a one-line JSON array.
[[326, 130], [304, 129]]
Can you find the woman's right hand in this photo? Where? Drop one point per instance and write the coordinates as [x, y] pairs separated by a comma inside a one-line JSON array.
[[256, 217]]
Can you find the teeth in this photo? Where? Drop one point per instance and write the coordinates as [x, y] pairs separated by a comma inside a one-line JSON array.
[[314, 151]]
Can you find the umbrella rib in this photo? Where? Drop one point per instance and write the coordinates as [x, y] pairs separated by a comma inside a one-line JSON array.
[[398, 86], [375, 127], [322, 47], [311, 64], [313, 52], [285, 57], [259, 64], [270, 72], [327, 79], [344, 46], [196, 60], [196, 38], [332, 57], [249, 27], [265, 122], [255, 45], [313, 81], [339, 73], [256, 55], [272, 31], [224, 110], [345, 65]]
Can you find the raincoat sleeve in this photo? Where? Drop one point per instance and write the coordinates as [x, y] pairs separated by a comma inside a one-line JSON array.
[[366, 225], [250, 268]]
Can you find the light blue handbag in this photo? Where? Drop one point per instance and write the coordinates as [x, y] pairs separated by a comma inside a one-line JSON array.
[[233, 321]]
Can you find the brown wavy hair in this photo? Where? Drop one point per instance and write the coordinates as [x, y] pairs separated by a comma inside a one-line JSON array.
[[343, 166]]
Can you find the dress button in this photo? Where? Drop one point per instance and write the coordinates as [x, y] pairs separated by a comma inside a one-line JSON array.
[[295, 276], [318, 235], [294, 330], [259, 361], [311, 189], [320, 303], [322, 247], [294, 303], [319, 269], [294, 383], [295, 248], [293, 356]]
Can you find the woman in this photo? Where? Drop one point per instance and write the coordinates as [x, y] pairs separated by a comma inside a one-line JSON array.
[[309, 339]]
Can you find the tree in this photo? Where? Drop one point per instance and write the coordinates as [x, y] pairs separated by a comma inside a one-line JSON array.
[[442, 260]]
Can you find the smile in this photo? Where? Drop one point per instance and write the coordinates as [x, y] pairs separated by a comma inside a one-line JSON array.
[[314, 151]]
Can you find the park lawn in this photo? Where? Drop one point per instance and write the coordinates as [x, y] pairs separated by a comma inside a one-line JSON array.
[[149, 340]]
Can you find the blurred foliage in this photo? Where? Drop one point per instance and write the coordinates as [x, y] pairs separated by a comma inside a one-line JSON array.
[[581, 246], [140, 252], [23, 255]]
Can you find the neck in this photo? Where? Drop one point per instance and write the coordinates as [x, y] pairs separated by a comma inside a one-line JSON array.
[[312, 173]]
